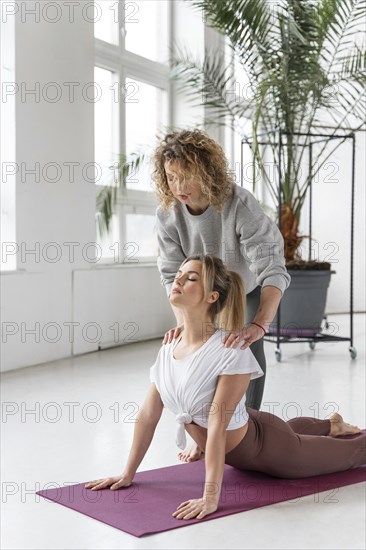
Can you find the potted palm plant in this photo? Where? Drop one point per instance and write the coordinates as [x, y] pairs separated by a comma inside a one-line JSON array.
[[304, 66]]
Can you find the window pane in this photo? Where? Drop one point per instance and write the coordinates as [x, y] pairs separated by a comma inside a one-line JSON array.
[[104, 146], [140, 230], [106, 20], [243, 127], [146, 28], [109, 243], [146, 113]]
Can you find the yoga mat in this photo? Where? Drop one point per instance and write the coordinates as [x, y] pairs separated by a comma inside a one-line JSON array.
[[146, 506]]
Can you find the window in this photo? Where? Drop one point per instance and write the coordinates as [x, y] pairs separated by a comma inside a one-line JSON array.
[[240, 89], [132, 76], [141, 228], [106, 17], [145, 105], [105, 116], [146, 28]]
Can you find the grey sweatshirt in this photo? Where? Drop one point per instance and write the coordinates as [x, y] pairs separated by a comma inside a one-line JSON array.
[[242, 235]]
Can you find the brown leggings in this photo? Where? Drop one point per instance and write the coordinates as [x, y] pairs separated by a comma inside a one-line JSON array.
[[294, 449]]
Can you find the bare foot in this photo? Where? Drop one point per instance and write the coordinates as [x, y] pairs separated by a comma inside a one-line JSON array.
[[340, 427], [191, 454]]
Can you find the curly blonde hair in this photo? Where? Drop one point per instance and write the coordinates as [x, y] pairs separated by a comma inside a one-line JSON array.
[[193, 153]]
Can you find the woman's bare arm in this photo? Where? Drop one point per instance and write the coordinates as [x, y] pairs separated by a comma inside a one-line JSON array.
[[146, 422], [269, 302]]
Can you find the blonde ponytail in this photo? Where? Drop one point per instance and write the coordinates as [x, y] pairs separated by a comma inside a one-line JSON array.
[[232, 316]]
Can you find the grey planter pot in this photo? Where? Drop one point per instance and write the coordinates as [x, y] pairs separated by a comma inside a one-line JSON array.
[[303, 303]]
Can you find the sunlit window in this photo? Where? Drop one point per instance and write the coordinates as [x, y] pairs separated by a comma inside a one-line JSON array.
[[146, 111], [146, 28], [105, 150], [105, 117], [106, 19], [140, 230], [109, 244], [132, 78]]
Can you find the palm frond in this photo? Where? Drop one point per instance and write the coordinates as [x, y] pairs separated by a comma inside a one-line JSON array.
[[354, 65], [296, 54], [107, 195], [336, 21], [209, 82], [247, 23]]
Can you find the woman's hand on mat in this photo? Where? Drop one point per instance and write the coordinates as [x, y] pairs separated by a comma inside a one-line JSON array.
[[116, 482], [248, 335], [195, 508], [172, 333]]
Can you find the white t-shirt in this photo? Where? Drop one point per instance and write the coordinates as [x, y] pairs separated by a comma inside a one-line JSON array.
[[187, 386]]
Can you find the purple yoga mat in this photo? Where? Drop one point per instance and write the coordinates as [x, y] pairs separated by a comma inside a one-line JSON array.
[[146, 506], [293, 332]]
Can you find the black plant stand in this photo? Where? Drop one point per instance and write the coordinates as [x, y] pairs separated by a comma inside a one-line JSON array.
[[279, 335]]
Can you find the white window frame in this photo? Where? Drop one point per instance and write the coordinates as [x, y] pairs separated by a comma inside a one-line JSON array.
[[126, 64]]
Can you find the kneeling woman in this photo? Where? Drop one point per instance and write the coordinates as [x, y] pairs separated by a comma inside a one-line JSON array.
[[203, 383]]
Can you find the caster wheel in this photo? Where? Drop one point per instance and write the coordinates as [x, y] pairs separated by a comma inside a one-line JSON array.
[[326, 325], [312, 345], [353, 352], [278, 355]]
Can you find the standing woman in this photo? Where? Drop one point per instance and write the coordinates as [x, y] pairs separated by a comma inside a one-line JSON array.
[[203, 211]]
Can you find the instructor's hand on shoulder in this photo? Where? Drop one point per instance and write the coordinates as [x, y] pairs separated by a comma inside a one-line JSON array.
[[116, 482], [248, 335], [173, 333]]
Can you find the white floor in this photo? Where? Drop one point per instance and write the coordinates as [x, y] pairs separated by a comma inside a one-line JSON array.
[[50, 447]]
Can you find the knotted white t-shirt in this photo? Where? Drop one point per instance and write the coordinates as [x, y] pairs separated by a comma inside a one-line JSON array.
[[187, 386]]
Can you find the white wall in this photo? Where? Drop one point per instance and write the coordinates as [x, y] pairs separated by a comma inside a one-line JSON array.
[[50, 296], [331, 221], [40, 295], [331, 224]]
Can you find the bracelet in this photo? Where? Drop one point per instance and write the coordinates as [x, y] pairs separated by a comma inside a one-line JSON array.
[[258, 325]]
